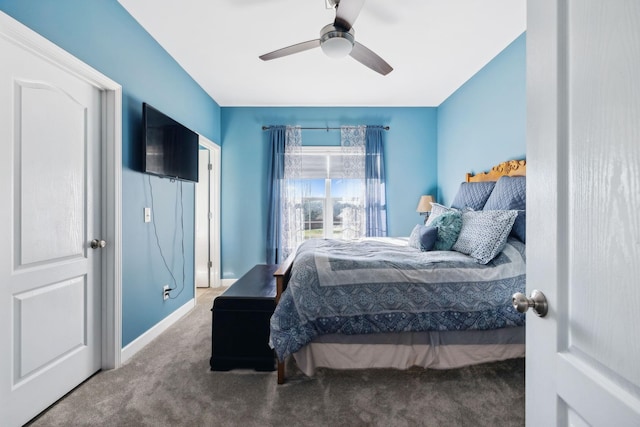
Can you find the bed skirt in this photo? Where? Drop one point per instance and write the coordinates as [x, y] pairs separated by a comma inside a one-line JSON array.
[[436, 349]]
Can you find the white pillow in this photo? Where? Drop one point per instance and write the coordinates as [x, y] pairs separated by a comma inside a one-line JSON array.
[[484, 233]]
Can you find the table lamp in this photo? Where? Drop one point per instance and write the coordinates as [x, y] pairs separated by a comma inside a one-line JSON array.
[[424, 206]]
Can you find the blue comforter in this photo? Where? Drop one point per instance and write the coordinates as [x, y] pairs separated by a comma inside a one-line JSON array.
[[379, 285]]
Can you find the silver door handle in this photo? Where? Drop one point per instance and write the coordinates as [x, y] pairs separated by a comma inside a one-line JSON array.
[[537, 301], [98, 244]]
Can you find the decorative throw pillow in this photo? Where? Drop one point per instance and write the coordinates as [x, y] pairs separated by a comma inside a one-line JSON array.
[[484, 233], [423, 237], [473, 195], [448, 225], [510, 193], [436, 210], [429, 237], [519, 229], [414, 237]]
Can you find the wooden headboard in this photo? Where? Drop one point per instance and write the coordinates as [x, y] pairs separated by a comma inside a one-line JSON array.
[[508, 168]]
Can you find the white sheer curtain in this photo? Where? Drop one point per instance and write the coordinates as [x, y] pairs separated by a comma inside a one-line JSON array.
[[352, 141], [291, 197]]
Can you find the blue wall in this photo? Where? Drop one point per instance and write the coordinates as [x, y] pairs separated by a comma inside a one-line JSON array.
[[102, 34], [483, 122], [410, 157]]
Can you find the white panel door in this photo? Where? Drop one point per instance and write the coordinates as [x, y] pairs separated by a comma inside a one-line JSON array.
[[49, 276], [583, 148]]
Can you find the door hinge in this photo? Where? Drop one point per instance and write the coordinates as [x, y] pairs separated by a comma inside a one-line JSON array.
[[210, 216], [210, 166], [210, 264]]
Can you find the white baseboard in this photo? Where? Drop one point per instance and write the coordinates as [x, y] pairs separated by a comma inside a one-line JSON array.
[[138, 344]]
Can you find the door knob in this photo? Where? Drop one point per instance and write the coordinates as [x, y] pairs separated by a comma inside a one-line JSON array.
[[98, 244], [537, 301]]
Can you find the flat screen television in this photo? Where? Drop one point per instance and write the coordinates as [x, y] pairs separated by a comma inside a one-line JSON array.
[[170, 149]]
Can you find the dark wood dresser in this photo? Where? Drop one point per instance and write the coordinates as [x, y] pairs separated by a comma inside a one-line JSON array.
[[240, 325]]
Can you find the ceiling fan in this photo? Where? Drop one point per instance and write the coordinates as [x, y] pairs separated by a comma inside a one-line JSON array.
[[337, 40]]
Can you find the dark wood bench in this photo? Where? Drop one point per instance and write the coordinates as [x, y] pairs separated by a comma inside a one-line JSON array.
[[240, 322]]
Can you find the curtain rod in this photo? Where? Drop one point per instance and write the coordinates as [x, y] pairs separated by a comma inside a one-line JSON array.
[[324, 128]]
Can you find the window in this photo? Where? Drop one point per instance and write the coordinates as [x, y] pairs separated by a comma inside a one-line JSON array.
[[336, 201], [332, 201]]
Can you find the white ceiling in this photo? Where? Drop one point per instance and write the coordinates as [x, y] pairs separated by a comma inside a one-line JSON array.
[[434, 47]]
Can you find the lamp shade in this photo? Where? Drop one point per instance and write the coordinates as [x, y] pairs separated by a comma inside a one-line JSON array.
[[424, 205]]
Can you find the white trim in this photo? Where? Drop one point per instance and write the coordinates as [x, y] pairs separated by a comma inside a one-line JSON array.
[[112, 295], [22, 36], [214, 206], [144, 339]]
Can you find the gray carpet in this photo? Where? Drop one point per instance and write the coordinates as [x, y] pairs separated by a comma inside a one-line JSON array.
[[169, 383]]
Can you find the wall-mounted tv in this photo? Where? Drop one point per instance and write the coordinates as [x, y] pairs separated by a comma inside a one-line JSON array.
[[170, 149]]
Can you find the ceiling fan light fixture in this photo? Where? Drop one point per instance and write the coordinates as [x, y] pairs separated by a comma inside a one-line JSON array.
[[336, 43], [337, 40]]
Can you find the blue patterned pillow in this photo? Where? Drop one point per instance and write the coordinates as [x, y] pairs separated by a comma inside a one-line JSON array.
[[510, 193], [484, 233], [448, 225], [423, 237], [473, 195], [519, 229]]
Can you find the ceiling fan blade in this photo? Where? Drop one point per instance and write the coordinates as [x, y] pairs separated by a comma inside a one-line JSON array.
[[290, 50], [367, 57], [346, 13]]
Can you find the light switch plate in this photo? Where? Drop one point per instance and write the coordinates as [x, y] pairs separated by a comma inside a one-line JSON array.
[[147, 214]]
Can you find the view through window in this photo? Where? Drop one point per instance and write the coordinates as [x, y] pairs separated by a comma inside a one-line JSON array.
[[332, 203]]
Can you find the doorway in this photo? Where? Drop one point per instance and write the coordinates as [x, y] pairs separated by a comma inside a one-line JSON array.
[[207, 241]]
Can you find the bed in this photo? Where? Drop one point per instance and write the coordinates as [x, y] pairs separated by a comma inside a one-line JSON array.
[[433, 302]]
